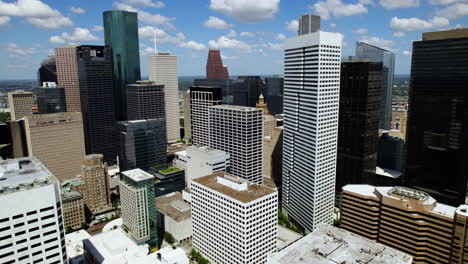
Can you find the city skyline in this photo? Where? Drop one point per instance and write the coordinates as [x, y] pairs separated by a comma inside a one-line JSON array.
[[250, 37]]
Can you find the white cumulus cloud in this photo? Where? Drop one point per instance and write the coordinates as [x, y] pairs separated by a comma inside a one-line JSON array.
[[454, 11], [231, 34], [247, 34], [97, 28], [393, 4], [280, 37], [226, 57], [4, 20], [292, 25], [224, 42], [399, 34], [417, 24], [78, 35], [247, 11], [361, 31], [77, 10], [50, 22], [336, 8], [217, 23], [13, 48], [443, 2], [407, 53], [148, 3], [163, 37], [192, 45], [146, 17], [379, 42]]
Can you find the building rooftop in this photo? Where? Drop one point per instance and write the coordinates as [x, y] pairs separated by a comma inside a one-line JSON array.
[[71, 196], [285, 237], [237, 108], [446, 34], [204, 149], [138, 175], [388, 172], [172, 205], [234, 187], [22, 174], [331, 245], [74, 244], [169, 170]]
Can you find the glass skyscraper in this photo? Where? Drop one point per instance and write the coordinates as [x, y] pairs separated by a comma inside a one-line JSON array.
[[121, 34], [387, 58]]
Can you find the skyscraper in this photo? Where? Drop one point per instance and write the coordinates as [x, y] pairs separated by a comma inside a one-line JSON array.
[[121, 35], [21, 104], [214, 66], [47, 72], [200, 99], [96, 186], [387, 58], [274, 87], [50, 98], [97, 104], [237, 130], [142, 144], [67, 76], [308, 23], [162, 68], [31, 220], [311, 103], [187, 117], [247, 89], [139, 214], [145, 100], [437, 133], [358, 130]]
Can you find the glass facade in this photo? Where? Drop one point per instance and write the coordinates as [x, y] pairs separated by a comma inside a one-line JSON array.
[[387, 58], [51, 100], [121, 34], [274, 94]]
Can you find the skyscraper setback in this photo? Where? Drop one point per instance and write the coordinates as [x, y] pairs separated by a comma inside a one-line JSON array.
[[308, 23], [121, 34], [145, 100], [214, 66]]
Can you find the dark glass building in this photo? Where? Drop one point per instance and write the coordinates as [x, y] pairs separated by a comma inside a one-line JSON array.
[[145, 100], [391, 152], [358, 129], [247, 90], [121, 34], [142, 144], [274, 87], [437, 131], [50, 99], [387, 58], [97, 102], [226, 85], [168, 181], [47, 72]]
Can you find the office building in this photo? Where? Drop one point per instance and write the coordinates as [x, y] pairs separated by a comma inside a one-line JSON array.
[[199, 161], [227, 87], [174, 216], [145, 100], [405, 219], [214, 66], [331, 245], [168, 181], [437, 136], [138, 208], [31, 220], [308, 23], [273, 158], [67, 76], [358, 130], [47, 72], [274, 87], [57, 141], [311, 103], [21, 104], [121, 35], [247, 89], [74, 244], [97, 106], [246, 230], [387, 58], [391, 152], [201, 98], [162, 69], [73, 210], [142, 144], [237, 130], [18, 138], [95, 187], [50, 98], [187, 117]]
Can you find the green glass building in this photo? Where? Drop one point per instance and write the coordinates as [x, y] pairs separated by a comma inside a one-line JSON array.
[[121, 34]]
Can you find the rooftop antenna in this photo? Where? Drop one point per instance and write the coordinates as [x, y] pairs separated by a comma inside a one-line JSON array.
[[155, 45]]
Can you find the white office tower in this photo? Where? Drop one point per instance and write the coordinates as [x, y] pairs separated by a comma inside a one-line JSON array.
[[237, 130], [234, 221], [308, 23], [200, 99], [311, 102], [162, 69], [31, 222], [199, 161]]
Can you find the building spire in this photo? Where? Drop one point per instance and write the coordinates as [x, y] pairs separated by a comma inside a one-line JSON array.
[[261, 104]]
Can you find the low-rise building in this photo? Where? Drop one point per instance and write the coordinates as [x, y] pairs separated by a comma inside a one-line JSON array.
[[168, 181], [73, 209], [74, 244], [331, 245], [174, 215]]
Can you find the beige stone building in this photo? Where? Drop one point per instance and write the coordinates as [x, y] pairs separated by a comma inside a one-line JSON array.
[[187, 117], [57, 140], [408, 220], [95, 187], [67, 76], [399, 121], [73, 209], [21, 104]]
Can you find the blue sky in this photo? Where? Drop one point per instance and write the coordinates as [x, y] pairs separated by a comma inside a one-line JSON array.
[[250, 33]]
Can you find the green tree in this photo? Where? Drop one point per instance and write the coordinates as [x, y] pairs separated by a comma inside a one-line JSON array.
[[4, 117], [68, 229], [169, 238]]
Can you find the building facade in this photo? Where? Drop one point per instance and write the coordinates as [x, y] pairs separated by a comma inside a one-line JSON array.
[[274, 87], [162, 69], [57, 141], [21, 104], [142, 144], [121, 35], [95, 187], [50, 98], [73, 210], [391, 152], [311, 103], [246, 230], [47, 72], [200, 99], [67, 76], [308, 23], [387, 58], [31, 222], [358, 130], [187, 117], [237, 130], [437, 137], [138, 206], [214, 66], [145, 100]]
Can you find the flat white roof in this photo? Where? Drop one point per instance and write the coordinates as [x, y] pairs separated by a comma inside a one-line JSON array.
[[237, 107], [388, 172], [23, 173], [138, 175], [74, 243], [362, 189]]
